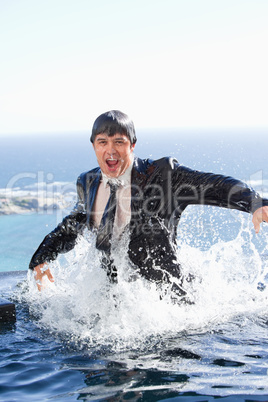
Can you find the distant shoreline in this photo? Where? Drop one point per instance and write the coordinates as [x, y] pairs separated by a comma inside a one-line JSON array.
[[30, 204]]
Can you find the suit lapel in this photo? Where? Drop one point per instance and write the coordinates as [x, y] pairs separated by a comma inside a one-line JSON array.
[[92, 191]]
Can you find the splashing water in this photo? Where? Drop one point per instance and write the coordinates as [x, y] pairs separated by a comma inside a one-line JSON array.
[[84, 308]]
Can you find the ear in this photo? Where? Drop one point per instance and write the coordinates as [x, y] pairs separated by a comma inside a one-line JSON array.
[[132, 146]]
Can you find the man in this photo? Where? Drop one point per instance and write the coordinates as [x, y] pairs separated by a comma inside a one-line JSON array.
[[143, 199]]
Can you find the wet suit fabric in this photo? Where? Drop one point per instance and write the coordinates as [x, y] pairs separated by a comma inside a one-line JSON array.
[[160, 191]]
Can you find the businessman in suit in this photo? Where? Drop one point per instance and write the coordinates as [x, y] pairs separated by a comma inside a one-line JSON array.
[[143, 199]]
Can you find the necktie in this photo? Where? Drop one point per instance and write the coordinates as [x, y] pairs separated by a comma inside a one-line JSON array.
[[104, 235]]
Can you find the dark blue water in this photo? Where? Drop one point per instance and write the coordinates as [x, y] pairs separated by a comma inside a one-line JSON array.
[[227, 360], [74, 342]]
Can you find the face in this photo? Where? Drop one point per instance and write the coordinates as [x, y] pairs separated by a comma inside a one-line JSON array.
[[114, 154]]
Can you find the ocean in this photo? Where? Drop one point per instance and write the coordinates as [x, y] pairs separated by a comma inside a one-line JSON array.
[[83, 340]]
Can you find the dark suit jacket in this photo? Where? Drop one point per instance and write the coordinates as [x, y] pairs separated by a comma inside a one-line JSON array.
[[160, 191]]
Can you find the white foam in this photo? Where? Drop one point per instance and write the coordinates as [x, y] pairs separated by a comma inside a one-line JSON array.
[[86, 309]]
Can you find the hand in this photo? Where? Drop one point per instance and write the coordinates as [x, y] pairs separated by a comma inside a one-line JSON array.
[[40, 273], [259, 216]]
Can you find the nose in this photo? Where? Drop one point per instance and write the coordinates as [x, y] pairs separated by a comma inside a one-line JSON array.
[[110, 150]]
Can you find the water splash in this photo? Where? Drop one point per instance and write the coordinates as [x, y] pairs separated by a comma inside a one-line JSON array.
[[85, 309]]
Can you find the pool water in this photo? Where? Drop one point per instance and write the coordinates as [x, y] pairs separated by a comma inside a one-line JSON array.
[[85, 339]]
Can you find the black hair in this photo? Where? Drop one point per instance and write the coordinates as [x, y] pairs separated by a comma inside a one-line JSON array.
[[114, 122]]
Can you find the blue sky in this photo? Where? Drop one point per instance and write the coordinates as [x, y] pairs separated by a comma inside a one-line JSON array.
[[169, 63]]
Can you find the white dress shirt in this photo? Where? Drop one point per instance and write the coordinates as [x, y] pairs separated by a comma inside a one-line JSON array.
[[123, 197]]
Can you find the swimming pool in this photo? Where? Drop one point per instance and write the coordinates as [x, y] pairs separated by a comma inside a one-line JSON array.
[[227, 358]]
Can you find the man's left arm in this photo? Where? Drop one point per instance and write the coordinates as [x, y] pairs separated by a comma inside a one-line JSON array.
[[259, 216], [218, 190]]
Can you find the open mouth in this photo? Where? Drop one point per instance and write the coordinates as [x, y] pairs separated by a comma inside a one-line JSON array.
[[112, 164]]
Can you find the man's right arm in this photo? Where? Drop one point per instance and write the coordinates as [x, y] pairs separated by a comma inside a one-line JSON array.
[[60, 240], [63, 238]]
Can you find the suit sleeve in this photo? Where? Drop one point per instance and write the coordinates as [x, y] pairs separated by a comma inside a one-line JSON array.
[[193, 187], [63, 237]]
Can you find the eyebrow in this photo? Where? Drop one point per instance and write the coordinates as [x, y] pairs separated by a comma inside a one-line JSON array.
[[115, 138], [120, 138], [101, 138]]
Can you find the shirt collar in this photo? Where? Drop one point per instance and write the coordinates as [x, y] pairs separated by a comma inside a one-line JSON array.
[[122, 180]]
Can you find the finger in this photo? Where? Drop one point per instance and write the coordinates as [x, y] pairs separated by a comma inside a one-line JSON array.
[[39, 284], [256, 225], [37, 278], [49, 275]]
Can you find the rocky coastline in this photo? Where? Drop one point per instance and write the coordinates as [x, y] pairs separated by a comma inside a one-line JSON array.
[[33, 203]]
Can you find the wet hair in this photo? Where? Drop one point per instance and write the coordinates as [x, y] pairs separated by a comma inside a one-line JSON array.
[[114, 122]]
